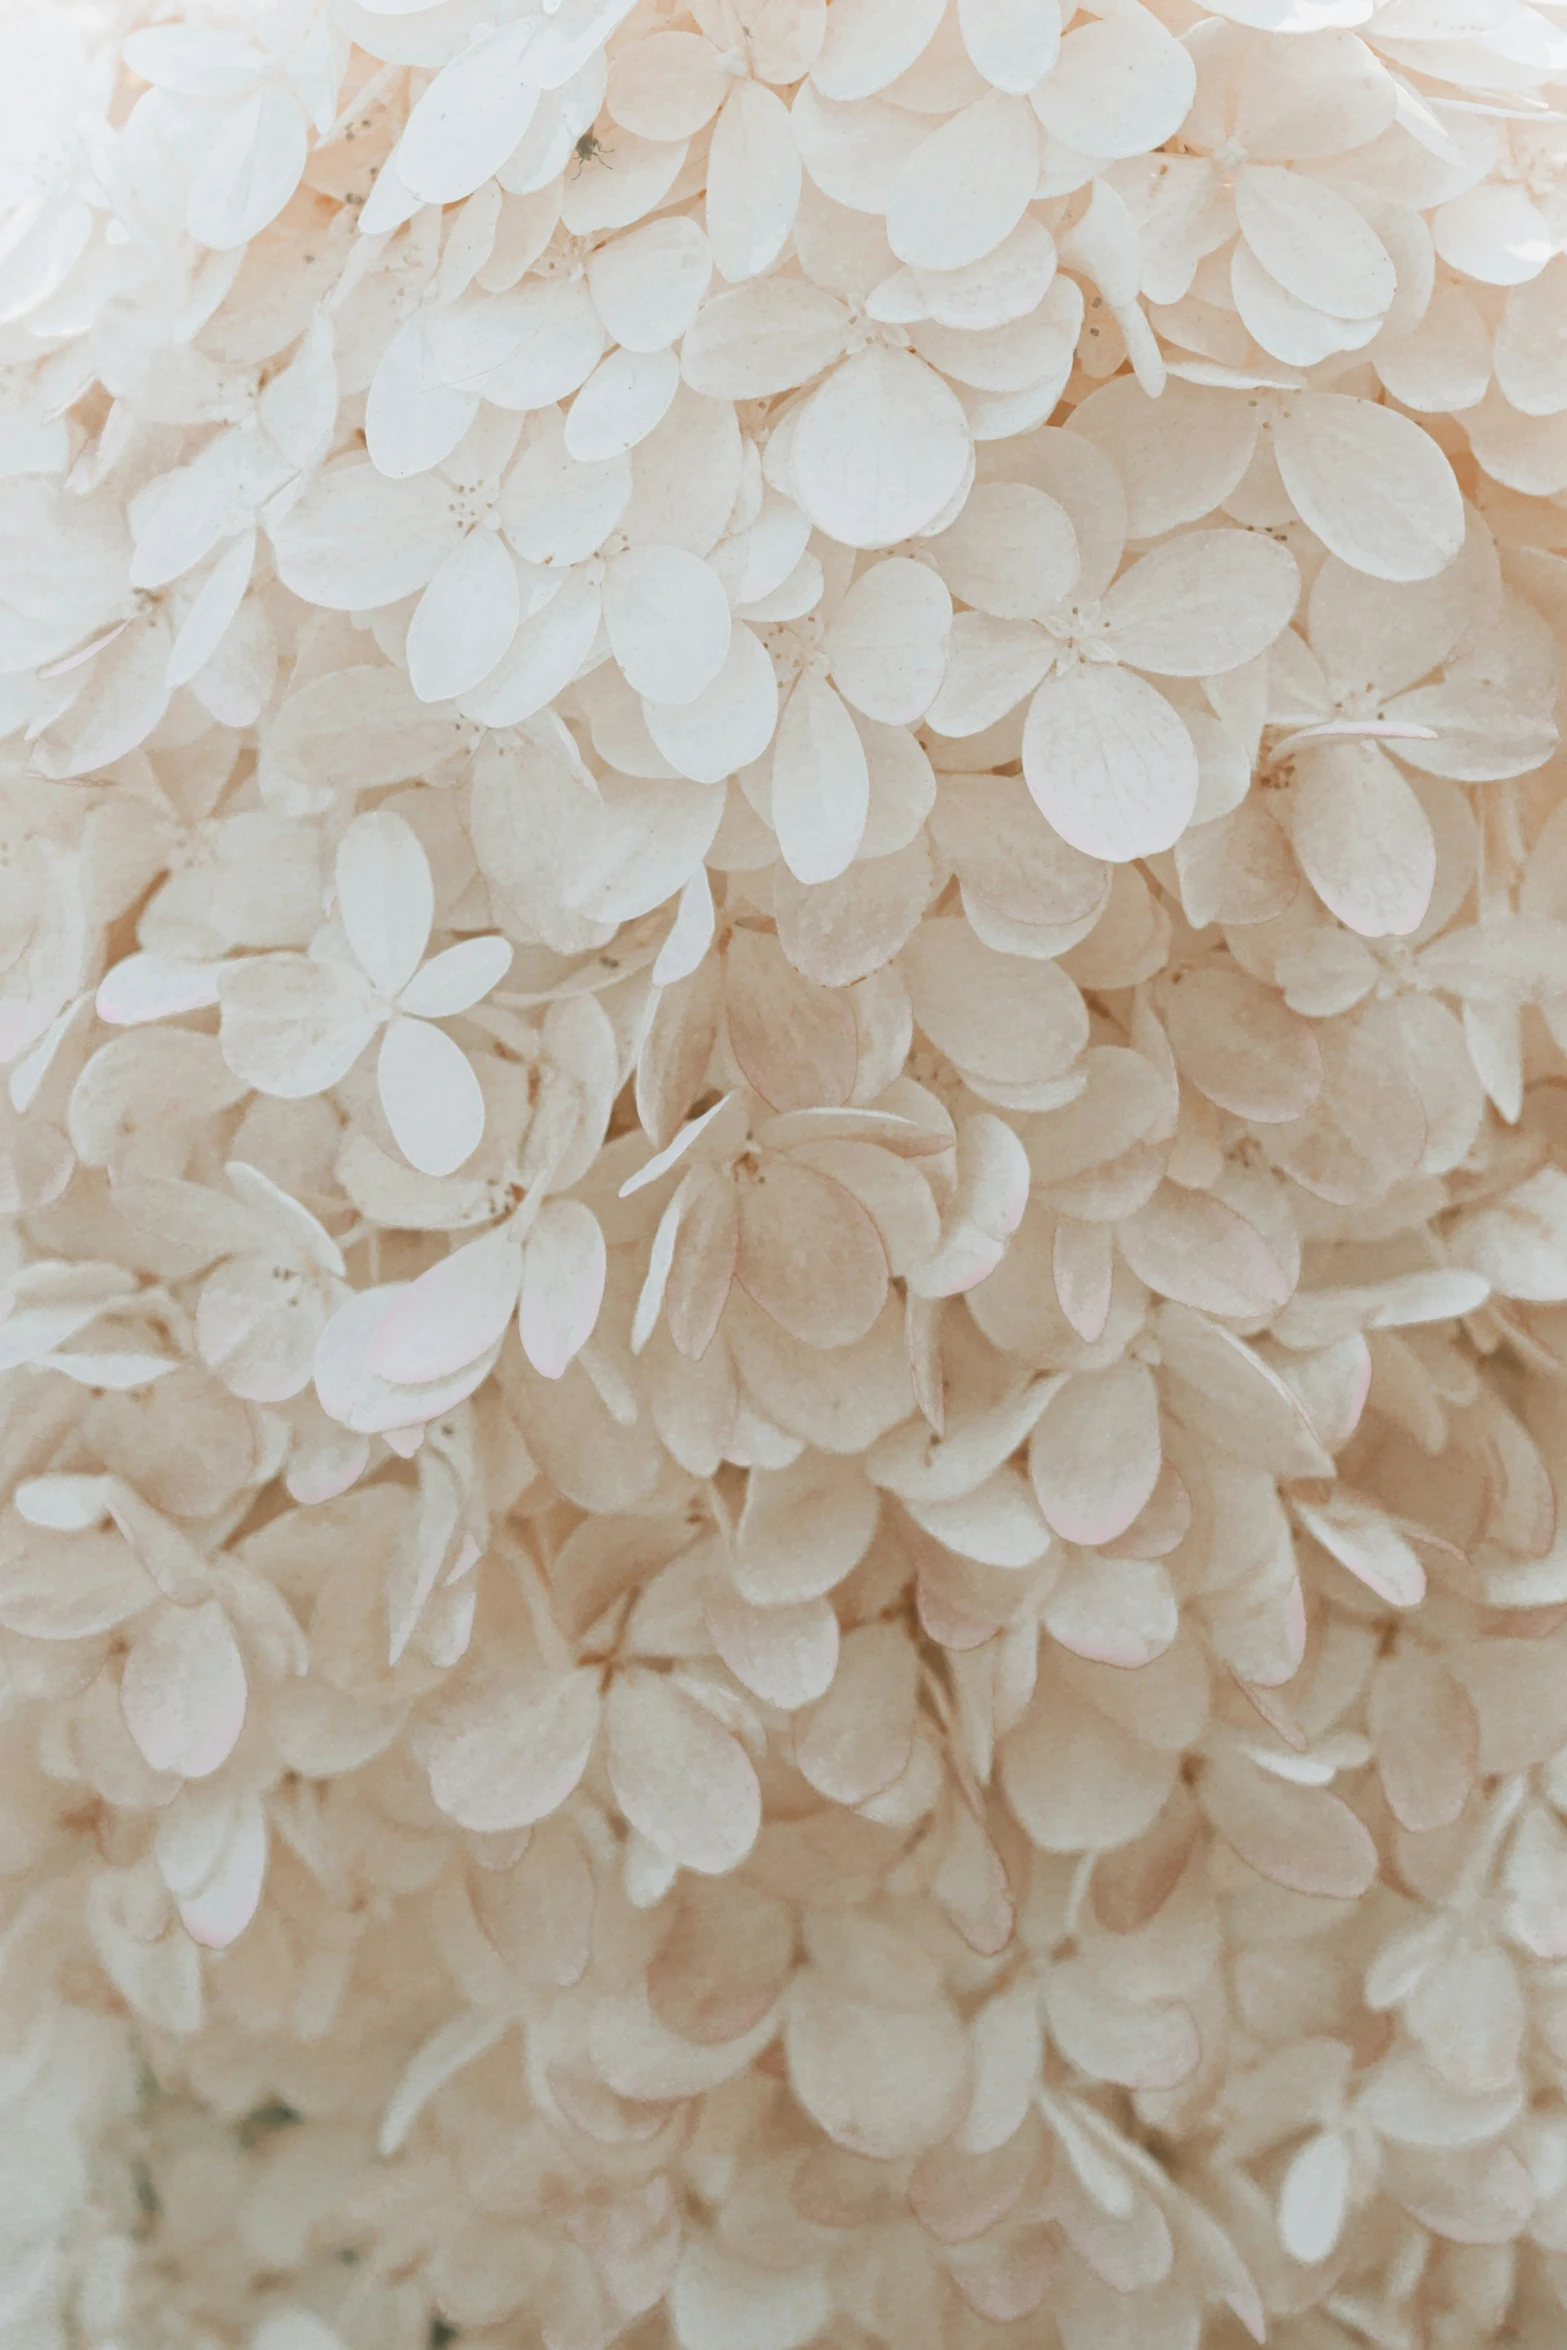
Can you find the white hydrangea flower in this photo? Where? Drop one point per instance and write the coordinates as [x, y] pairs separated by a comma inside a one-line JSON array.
[[846, 1625], [294, 1025]]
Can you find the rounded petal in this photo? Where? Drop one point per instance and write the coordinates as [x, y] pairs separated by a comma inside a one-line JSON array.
[[1377, 490], [753, 182], [562, 1285], [385, 897], [623, 399], [678, 1776], [466, 619], [967, 186], [1095, 1455], [1203, 604], [668, 622], [887, 641], [820, 783], [1121, 86], [291, 1027], [1363, 840], [512, 1756], [182, 1690], [431, 1097], [356, 541], [809, 1254], [453, 1313], [1012, 552], [1109, 764], [879, 449], [729, 723]]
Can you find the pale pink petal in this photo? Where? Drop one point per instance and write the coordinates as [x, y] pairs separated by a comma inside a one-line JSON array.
[[451, 1314]]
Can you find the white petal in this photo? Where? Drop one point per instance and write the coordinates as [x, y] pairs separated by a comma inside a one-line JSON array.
[[385, 897], [820, 783], [470, 117], [647, 286], [786, 1655], [853, 152], [1118, 1611], [358, 1398], [1286, 327], [412, 418], [457, 978], [431, 1097], [562, 1285], [730, 722], [1012, 42], [291, 1027], [668, 621], [1094, 1456], [554, 507], [649, 838], [691, 934], [1300, 1837], [1012, 552], [1376, 490], [1314, 242], [678, 1776], [249, 171], [887, 641], [753, 182], [356, 541], [967, 187], [183, 1690], [879, 449], [1203, 604], [523, 348], [623, 399], [512, 1755], [998, 1017], [667, 86], [1494, 233], [1363, 840], [1313, 2200], [1109, 764], [718, 2302], [1178, 456], [465, 621], [151, 987], [1119, 87], [546, 654], [762, 338], [868, 43], [205, 624], [217, 1912]]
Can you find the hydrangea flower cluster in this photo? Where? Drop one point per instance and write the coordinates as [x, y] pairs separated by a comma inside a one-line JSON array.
[[783, 1286]]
